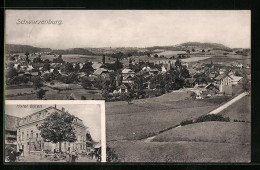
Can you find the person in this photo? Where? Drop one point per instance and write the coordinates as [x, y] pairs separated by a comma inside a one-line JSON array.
[[12, 156], [73, 156], [68, 157]]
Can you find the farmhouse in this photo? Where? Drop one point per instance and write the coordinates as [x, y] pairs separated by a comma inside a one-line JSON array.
[[29, 138], [225, 84]]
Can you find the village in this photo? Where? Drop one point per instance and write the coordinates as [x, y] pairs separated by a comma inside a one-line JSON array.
[[121, 76]]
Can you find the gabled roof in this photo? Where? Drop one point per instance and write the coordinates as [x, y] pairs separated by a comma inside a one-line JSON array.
[[222, 76], [96, 65], [210, 85], [100, 71], [237, 78], [127, 70]]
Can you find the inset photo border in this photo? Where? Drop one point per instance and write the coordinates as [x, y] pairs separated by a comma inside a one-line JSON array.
[[54, 131]]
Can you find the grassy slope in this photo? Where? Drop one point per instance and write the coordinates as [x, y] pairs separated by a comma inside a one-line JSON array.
[[149, 116], [216, 132], [137, 151], [241, 110]]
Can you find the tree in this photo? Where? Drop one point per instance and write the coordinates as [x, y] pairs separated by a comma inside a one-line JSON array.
[[129, 96], [11, 72], [77, 67], [87, 68], [178, 63], [48, 77], [68, 68], [185, 73], [56, 71], [27, 55], [38, 59], [245, 84], [37, 82], [118, 65], [104, 59], [86, 83], [58, 127], [40, 94], [46, 66]]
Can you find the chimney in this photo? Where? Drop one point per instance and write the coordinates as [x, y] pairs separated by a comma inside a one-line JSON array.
[[63, 109]]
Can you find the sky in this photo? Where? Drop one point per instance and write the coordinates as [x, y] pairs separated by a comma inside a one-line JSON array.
[[128, 28], [90, 114]]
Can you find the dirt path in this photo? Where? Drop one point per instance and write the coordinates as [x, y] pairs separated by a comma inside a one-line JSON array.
[[224, 106]]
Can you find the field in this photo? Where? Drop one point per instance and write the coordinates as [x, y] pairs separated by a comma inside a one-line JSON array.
[[152, 59], [145, 131], [52, 94], [147, 117], [170, 53], [139, 151], [215, 132], [229, 58], [241, 110], [75, 58]]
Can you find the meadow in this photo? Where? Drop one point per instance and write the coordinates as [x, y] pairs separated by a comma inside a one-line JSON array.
[[181, 151], [147, 117]]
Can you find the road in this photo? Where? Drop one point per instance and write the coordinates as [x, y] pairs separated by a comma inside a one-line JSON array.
[[224, 106]]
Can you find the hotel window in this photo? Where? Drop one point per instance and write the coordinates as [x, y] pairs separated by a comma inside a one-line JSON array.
[[22, 136]]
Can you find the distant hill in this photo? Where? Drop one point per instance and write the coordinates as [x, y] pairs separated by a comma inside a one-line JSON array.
[[14, 48], [190, 46], [204, 45], [81, 51]]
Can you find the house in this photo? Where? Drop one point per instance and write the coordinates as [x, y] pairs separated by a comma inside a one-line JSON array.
[[29, 137], [211, 89], [165, 67], [224, 81], [124, 88], [128, 75], [190, 82], [10, 131]]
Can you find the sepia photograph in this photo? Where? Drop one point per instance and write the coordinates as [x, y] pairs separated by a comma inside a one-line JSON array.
[[176, 83], [54, 131]]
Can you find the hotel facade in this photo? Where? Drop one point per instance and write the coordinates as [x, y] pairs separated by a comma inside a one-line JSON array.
[[29, 138]]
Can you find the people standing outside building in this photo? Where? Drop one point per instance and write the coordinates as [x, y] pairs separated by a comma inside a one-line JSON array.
[[74, 156]]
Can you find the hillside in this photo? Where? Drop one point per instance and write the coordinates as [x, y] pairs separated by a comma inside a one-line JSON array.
[[204, 45], [81, 51], [14, 48]]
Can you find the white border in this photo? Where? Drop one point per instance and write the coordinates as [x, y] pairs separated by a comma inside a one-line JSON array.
[[102, 108]]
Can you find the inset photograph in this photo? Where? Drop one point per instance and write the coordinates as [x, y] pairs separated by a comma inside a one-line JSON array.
[[54, 131]]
